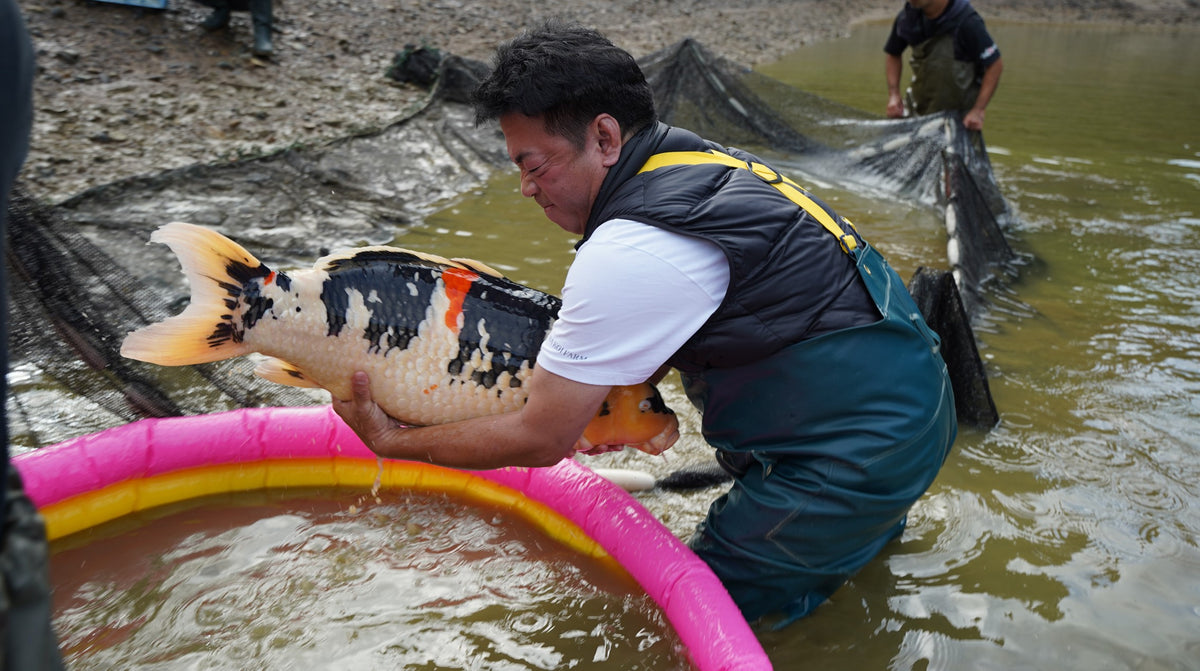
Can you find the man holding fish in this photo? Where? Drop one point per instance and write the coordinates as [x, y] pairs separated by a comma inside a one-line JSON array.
[[821, 387]]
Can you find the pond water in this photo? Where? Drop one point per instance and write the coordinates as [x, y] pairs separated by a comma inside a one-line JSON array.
[[1068, 537], [334, 580]]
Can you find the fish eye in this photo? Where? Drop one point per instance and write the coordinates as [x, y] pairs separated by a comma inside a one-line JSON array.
[[644, 405]]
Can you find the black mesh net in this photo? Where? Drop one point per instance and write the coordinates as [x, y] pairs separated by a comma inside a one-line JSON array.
[[75, 291]]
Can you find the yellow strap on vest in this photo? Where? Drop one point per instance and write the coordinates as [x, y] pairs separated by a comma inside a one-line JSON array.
[[787, 187]]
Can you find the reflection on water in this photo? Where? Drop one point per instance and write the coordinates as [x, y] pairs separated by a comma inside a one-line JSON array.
[[271, 581]]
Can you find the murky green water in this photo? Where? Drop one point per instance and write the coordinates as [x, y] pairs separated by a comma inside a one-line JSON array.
[[329, 580], [1068, 537]]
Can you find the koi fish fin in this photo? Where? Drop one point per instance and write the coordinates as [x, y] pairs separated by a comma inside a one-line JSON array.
[[283, 372], [478, 266], [376, 252], [216, 268]]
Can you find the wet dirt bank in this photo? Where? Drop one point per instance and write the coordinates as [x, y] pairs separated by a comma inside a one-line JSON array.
[[124, 91]]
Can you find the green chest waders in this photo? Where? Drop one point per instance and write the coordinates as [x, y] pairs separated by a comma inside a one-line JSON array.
[[831, 441], [940, 82]]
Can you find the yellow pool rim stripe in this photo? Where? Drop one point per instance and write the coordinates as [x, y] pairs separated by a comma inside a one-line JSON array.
[[96, 507], [102, 477]]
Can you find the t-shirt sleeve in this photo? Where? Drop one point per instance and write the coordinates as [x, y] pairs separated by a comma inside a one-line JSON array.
[[974, 44], [633, 296], [895, 45]]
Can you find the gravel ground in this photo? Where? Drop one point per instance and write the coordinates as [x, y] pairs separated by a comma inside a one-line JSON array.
[[123, 91]]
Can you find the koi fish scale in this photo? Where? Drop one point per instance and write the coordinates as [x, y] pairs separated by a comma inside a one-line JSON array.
[[500, 324], [442, 340]]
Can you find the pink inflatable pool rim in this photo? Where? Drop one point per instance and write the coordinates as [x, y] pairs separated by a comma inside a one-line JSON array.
[[700, 610]]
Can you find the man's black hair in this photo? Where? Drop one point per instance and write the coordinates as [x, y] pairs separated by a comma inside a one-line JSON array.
[[568, 74]]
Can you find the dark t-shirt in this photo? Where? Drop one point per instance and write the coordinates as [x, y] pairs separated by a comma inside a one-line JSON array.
[[972, 43]]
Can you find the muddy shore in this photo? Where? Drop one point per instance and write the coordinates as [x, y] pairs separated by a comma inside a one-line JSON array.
[[123, 91]]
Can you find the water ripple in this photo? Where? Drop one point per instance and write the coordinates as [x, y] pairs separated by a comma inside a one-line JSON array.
[[332, 589]]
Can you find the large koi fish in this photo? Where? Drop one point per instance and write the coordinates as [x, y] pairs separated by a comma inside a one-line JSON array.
[[442, 340]]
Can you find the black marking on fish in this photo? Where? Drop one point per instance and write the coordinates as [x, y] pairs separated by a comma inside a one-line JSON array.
[[244, 273], [256, 305], [389, 275], [244, 290], [657, 405], [604, 409], [399, 286], [516, 319]]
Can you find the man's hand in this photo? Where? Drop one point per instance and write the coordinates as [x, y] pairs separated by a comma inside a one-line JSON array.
[[973, 120], [593, 450], [895, 103], [362, 414], [540, 434]]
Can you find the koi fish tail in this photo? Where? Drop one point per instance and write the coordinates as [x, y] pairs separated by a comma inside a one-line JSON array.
[[218, 271]]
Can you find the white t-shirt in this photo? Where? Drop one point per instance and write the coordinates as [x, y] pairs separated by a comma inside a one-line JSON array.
[[634, 294]]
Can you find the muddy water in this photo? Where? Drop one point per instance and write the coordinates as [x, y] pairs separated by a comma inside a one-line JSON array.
[[327, 580], [1069, 536]]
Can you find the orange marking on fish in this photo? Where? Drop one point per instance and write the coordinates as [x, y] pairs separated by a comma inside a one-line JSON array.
[[457, 281], [269, 278]]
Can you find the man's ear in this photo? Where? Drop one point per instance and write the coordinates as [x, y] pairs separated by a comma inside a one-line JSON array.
[[608, 138]]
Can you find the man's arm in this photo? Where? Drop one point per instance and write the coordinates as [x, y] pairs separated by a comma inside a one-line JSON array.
[[973, 119], [892, 68], [542, 433]]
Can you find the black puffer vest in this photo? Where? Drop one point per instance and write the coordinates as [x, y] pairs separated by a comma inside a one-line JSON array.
[[789, 278]]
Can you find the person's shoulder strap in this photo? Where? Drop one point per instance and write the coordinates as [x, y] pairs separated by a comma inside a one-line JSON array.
[[786, 186]]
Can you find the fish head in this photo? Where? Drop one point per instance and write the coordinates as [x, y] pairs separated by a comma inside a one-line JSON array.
[[632, 416]]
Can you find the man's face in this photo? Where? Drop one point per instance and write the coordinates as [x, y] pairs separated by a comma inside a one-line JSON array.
[[560, 177]]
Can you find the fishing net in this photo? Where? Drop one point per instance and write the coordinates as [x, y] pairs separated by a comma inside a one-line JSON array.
[[930, 160], [78, 283]]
